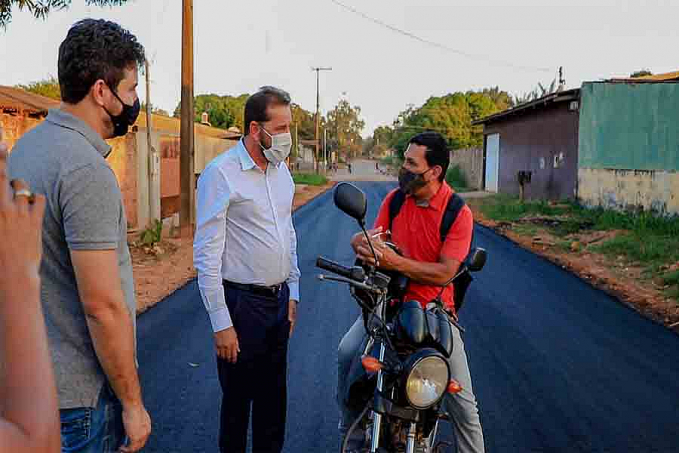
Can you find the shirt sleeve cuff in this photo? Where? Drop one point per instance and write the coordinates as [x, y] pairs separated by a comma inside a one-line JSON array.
[[220, 319], [294, 290]]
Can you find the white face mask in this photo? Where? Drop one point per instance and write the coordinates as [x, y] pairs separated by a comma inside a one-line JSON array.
[[280, 147]]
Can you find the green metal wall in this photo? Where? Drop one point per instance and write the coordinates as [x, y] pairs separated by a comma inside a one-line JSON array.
[[629, 126]]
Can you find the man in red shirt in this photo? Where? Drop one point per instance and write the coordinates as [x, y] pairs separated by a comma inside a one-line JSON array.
[[429, 263]]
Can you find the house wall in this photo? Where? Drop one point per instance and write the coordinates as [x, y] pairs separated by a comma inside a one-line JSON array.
[[544, 141], [470, 161], [123, 161], [14, 126], [131, 162], [206, 148], [629, 146]]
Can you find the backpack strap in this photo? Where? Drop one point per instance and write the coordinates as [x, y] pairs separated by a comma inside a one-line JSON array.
[[455, 205], [395, 205]]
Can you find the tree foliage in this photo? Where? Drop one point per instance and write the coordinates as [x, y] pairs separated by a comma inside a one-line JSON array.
[[41, 8], [48, 87], [451, 115], [154, 110], [344, 125], [641, 73], [537, 92], [223, 111]]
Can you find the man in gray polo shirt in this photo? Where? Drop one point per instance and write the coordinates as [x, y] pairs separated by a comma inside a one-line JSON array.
[[87, 287]]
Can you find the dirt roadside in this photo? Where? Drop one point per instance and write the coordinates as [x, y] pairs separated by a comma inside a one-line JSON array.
[[616, 276], [160, 271]]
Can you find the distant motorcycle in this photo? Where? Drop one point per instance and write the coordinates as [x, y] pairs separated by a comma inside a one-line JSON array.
[[403, 373]]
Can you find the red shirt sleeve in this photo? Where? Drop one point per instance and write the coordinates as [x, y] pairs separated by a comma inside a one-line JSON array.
[[459, 239], [382, 219]]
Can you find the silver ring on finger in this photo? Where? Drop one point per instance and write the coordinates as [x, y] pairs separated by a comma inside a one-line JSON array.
[[23, 193]]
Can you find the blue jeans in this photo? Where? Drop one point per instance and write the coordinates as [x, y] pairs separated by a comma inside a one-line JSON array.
[[93, 429]]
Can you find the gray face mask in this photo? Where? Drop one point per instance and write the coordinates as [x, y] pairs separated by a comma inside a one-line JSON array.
[[280, 147]]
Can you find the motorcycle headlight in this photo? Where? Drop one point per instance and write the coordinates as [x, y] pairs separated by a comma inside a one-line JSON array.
[[427, 380]]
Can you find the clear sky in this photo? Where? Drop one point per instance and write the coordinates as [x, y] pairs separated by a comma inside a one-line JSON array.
[[243, 44]]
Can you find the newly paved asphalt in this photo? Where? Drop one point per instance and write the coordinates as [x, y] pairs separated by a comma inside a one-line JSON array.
[[557, 365]]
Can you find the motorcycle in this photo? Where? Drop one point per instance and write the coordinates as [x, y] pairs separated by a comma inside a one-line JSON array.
[[403, 374]]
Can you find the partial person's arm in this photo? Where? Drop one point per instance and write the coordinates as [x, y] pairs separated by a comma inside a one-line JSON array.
[[28, 398], [453, 252], [90, 202], [293, 279], [208, 250]]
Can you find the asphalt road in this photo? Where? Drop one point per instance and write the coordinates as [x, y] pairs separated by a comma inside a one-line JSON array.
[[557, 365]]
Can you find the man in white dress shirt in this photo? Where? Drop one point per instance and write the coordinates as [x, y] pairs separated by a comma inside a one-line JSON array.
[[245, 252]]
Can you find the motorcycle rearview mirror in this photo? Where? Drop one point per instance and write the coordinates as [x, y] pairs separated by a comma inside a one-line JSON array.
[[477, 260], [351, 200]]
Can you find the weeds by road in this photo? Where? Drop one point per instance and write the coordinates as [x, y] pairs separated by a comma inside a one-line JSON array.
[[311, 179], [629, 251]]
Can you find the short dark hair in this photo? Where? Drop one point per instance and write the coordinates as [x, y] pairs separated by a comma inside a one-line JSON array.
[[257, 104], [437, 150], [95, 49]]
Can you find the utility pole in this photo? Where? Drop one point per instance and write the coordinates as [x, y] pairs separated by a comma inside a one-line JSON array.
[[153, 161], [187, 183], [325, 149], [318, 103]]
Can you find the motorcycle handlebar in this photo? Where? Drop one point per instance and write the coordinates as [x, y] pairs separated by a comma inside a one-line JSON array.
[[334, 267]]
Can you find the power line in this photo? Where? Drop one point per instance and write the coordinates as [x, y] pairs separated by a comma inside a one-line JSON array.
[[440, 46]]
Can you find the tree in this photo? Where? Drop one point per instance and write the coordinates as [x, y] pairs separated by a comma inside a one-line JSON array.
[[154, 110], [536, 93], [344, 125], [641, 73], [451, 115], [303, 126], [48, 87], [41, 8], [223, 111]]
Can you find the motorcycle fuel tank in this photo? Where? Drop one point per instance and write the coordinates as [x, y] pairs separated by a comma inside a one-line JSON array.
[[422, 327]]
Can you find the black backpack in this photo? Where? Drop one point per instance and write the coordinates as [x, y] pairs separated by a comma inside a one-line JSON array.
[[453, 208]]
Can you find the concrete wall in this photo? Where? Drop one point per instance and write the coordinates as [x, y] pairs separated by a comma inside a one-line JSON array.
[[470, 161], [656, 191], [544, 141], [123, 161], [629, 142], [206, 148]]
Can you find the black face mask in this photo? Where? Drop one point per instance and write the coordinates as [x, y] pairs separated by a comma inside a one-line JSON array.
[[126, 118], [410, 182]]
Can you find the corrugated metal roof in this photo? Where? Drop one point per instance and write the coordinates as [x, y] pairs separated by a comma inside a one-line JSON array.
[[562, 96], [23, 101]]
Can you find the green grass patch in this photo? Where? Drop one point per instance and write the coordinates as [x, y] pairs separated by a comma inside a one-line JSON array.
[[671, 278], [525, 230], [647, 240], [651, 250], [312, 179], [505, 208]]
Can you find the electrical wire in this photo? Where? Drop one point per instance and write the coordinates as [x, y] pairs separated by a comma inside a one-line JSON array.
[[440, 46]]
